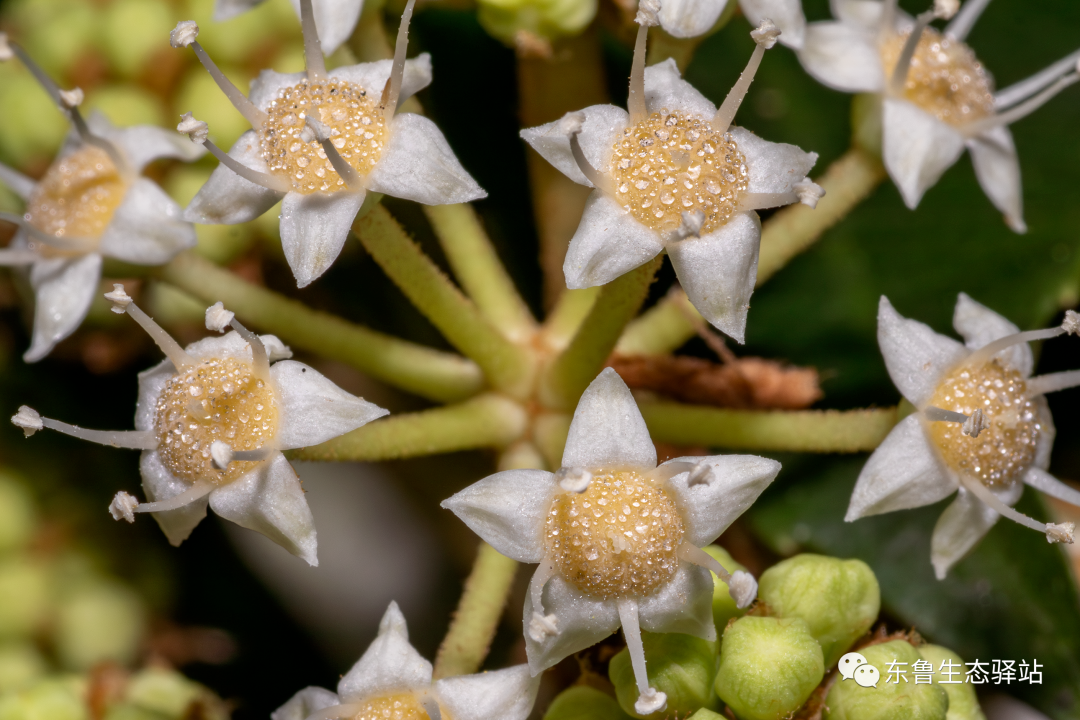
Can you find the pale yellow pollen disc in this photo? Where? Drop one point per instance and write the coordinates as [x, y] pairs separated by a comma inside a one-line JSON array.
[[215, 400], [400, 706], [945, 78], [1006, 448], [78, 195], [357, 129], [619, 538], [671, 163]]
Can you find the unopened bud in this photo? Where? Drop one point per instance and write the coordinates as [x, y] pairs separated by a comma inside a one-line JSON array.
[[768, 667], [582, 702], [724, 606], [682, 667], [218, 318], [838, 599], [766, 33], [887, 700], [963, 703], [28, 419], [184, 33]]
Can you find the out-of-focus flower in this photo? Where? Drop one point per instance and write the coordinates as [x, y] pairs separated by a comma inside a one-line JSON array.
[[91, 203], [334, 19], [983, 429], [519, 22], [618, 539], [690, 18], [212, 420], [936, 96], [392, 680], [321, 142], [674, 175]]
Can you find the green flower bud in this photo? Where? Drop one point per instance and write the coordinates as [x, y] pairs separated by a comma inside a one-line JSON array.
[[17, 516], [584, 703], [682, 666], [163, 691], [54, 699], [838, 599], [547, 19], [133, 31], [99, 621], [20, 665], [768, 667], [847, 700], [25, 593], [705, 714], [963, 703], [723, 607]]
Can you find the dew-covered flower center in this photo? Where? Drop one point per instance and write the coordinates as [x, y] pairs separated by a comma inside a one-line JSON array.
[[77, 197]]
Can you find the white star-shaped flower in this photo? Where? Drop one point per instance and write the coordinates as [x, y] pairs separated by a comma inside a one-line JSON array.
[[212, 420], [982, 430], [91, 203], [625, 549], [690, 18], [392, 680], [322, 164], [334, 19], [937, 98], [674, 175]]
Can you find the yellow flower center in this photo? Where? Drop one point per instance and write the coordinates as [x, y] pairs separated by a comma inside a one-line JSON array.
[[215, 400], [669, 164], [357, 129], [77, 197], [1007, 447], [945, 78], [400, 706], [618, 538]]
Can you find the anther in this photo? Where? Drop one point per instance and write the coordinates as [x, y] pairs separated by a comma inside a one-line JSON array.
[[183, 35], [766, 34], [808, 192], [199, 131], [946, 9], [221, 453], [196, 130], [218, 318], [971, 425], [392, 89], [122, 303], [315, 130], [28, 419], [764, 37], [541, 627], [123, 506], [574, 479], [1071, 323], [118, 299], [702, 474], [648, 13], [72, 98], [975, 424], [1060, 533], [691, 224]]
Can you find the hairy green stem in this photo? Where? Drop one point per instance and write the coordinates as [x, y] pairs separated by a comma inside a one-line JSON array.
[[508, 367], [566, 316], [772, 430], [430, 373], [485, 421], [572, 371], [478, 268]]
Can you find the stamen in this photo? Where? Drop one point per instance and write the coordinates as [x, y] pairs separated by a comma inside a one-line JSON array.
[[649, 700], [392, 89], [198, 131], [222, 454], [759, 201], [31, 421], [1025, 108], [19, 183], [545, 572], [1046, 483], [313, 57], [1052, 531], [571, 125], [259, 358], [64, 243], [12, 257], [1053, 382], [646, 17], [765, 37], [988, 351], [903, 63], [1027, 87], [741, 585], [319, 131], [969, 14], [125, 505], [184, 36], [122, 303], [972, 424], [541, 626]]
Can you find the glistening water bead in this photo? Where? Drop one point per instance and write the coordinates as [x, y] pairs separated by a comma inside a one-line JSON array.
[[945, 78], [618, 538], [401, 706], [1007, 446], [357, 129], [669, 164], [77, 196], [215, 400]]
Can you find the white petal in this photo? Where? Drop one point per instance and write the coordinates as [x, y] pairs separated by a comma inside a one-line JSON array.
[[773, 167], [904, 472], [862, 13], [507, 510], [787, 14], [148, 228], [843, 57], [690, 18], [917, 148], [608, 243], [718, 271], [314, 229], [227, 198], [962, 525], [665, 88], [582, 621], [994, 156], [708, 508], [506, 694], [266, 88], [229, 345], [417, 164], [372, 76], [269, 500], [607, 430], [1044, 444], [142, 144], [915, 356], [151, 382], [160, 484], [305, 703], [602, 124], [313, 409], [63, 290], [979, 325], [390, 663], [335, 20], [228, 9], [683, 605]]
